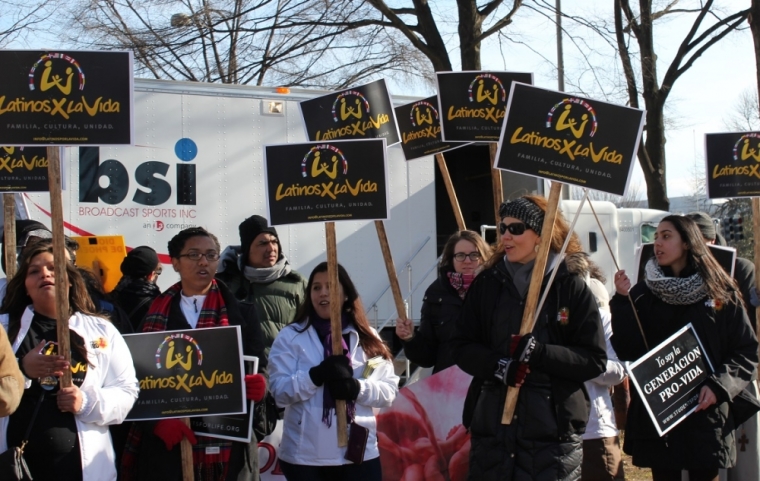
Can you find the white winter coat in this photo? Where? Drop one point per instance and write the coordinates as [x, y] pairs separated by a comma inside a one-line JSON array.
[[601, 422], [109, 390], [305, 438]]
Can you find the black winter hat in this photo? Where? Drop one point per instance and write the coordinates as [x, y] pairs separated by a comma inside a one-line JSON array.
[[705, 224], [139, 262], [252, 227], [525, 210]]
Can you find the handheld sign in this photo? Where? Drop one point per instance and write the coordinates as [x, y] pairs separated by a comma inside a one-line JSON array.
[[575, 140], [726, 257], [473, 103], [420, 127], [330, 181], [195, 372], [66, 98], [24, 169], [103, 256], [733, 164], [360, 112], [668, 378]]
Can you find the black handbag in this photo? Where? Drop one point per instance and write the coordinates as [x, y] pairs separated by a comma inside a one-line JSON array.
[[12, 463]]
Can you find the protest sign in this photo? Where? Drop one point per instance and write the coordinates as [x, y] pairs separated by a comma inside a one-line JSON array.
[[194, 372], [233, 427], [473, 103], [733, 164], [575, 140], [668, 378], [23, 169], [330, 181], [364, 112], [103, 256], [420, 127], [66, 98], [726, 257]]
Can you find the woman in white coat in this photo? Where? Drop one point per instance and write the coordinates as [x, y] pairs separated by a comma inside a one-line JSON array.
[[306, 379], [69, 439]]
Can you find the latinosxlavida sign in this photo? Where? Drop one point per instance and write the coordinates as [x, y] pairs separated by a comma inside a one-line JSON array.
[[733, 164]]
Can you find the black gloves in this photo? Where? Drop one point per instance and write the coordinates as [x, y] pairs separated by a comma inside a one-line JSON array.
[[333, 367], [511, 372], [347, 389], [523, 348]]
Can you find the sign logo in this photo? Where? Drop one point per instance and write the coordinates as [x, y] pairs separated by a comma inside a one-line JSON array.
[[349, 109], [180, 351], [419, 117], [49, 79], [324, 159], [566, 122], [486, 87], [12, 158], [747, 152]]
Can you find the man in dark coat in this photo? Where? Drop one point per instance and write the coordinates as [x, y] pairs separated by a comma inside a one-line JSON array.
[[137, 287]]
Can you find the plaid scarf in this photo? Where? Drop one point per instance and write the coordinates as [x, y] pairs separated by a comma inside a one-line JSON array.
[[207, 467], [460, 282]]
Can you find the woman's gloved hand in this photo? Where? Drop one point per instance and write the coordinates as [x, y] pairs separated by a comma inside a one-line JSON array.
[[347, 389], [171, 432], [511, 372], [333, 367]]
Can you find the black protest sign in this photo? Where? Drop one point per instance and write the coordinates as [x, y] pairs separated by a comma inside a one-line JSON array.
[[330, 181], [669, 377], [473, 104], [65, 98], [196, 372], [570, 139], [420, 128], [364, 112], [733, 164], [24, 169], [726, 257]]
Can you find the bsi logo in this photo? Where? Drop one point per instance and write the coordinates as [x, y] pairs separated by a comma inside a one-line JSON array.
[[151, 176]]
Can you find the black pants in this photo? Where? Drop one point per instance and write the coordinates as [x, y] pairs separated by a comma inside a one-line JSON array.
[[367, 471], [675, 474]]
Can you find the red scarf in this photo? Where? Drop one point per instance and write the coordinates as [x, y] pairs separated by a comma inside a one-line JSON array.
[[460, 282]]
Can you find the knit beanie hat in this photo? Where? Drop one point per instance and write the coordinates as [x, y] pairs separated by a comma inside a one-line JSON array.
[[252, 227], [139, 262], [705, 224], [525, 210]]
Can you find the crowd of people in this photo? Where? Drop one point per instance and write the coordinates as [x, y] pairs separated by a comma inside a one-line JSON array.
[[563, 427]]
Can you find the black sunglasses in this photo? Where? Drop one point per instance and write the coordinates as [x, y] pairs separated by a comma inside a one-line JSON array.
[[515, 228]]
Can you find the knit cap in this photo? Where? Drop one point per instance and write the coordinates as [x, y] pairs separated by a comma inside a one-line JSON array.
[[251, 228], [139, 262], [525, 210]]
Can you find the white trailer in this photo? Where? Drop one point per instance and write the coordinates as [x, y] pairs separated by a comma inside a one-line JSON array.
[[198, 161]]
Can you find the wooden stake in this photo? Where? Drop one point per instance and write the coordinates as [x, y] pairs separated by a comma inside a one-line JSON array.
[[59, 259], [335, 323], [188, 473], [529, 314], [9, 235], [498, 189], [398, 299], [450, 190]]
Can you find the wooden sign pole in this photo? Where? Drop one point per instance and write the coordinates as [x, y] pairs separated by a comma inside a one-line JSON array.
[[9, 235], [336, 329], [59, 259], [398, 299], [450, 190], [529, 314], [188, 473], [498, 189]]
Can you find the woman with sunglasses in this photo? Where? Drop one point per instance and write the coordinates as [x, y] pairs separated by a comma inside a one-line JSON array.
[[197, 301], [550, 365], [462, 259], [685, 284]]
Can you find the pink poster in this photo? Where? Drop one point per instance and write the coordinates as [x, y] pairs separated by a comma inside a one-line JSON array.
[[421, 437]]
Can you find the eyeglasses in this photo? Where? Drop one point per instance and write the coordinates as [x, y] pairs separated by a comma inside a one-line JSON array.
[[196, 256], [461, 256], [515, 228]]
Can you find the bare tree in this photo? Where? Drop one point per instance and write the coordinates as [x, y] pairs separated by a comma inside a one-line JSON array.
[[633, 196], [746, 115], [21, 19]]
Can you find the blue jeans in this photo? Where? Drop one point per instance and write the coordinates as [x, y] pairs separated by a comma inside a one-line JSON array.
[[369, 470]]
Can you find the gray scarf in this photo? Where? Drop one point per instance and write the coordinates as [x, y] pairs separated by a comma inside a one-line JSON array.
[[521, 273], [265, 275], [679, 291]]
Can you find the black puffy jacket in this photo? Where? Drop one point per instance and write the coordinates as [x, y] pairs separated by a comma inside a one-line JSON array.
[[544, 439]]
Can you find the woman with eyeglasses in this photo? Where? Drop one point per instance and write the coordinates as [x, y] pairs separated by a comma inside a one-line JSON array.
[[462, 259], [684, 284], [550, 364], [197, 301]]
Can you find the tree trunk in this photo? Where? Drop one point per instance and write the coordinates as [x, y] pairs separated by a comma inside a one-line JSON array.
[[470, 28], [654, 156]]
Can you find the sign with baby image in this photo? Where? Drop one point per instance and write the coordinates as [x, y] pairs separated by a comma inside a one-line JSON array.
[[669, 377]]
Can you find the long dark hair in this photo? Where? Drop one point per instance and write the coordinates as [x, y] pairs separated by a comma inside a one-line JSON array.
[[447, 256], [352, 306], [719, 284], [17, 299]]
